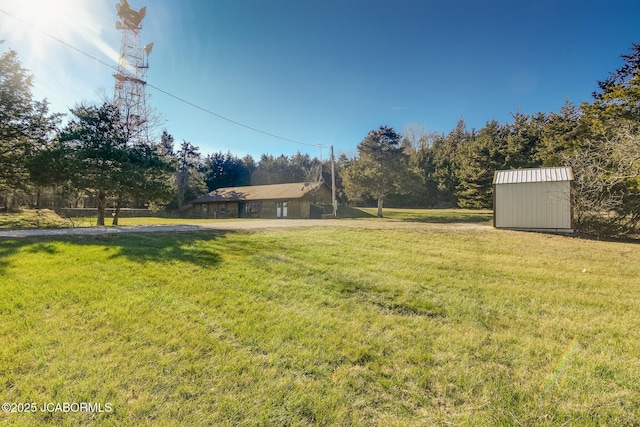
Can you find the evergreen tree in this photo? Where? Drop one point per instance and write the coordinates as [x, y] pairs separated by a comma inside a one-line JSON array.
[[225, 170], [423, 161], [477, 159], [190, 175], [380, 169], [93, 154], [444, 163], [558, 134], [26, 126], [609, 153], [522, 139]]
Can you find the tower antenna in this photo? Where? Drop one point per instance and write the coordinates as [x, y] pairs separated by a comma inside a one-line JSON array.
[[131, 74]]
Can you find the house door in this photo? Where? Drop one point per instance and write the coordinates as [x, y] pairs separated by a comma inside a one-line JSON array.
[[281, 209], [315, 212]]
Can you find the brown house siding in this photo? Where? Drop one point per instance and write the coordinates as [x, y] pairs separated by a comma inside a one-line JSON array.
[[315, 202]]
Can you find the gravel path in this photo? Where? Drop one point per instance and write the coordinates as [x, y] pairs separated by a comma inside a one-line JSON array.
[[234, 225]]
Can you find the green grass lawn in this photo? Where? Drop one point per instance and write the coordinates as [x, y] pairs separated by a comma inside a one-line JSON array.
[[152, 220], [418, 325], [29, 219], [34, 219]]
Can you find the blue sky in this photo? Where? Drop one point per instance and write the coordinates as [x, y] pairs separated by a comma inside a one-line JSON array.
[[326, 72]]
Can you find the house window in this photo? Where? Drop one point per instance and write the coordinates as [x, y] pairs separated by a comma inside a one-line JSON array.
[[282, 209], [253, 207]]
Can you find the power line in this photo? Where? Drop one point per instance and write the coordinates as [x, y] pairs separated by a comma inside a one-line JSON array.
[[205, 110], [230, 120]]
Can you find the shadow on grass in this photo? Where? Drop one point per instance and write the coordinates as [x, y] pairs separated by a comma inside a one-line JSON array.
[[347, 212], [7, 248], [624, 239], [436, 216], [449, 217], [188, 247]]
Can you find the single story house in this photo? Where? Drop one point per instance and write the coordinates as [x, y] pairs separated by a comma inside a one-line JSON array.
[[533, 199], [295, 200]]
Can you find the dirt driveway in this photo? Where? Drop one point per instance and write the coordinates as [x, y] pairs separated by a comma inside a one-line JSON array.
[[237, 225]]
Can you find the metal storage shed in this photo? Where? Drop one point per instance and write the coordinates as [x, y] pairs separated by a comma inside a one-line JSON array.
[[533, 199]]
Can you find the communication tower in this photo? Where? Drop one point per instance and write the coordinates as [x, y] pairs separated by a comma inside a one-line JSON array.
[[131, 74]]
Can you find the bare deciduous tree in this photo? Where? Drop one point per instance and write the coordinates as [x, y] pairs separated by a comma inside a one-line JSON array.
[[606, 197]]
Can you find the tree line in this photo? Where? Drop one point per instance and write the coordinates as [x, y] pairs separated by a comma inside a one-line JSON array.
[[94, 156], [600, 140]]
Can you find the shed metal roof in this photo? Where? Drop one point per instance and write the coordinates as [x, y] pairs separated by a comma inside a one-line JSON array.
[[260, 192], [518, 176]]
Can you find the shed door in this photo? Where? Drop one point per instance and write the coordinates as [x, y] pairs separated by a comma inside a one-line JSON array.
[[281, 209]]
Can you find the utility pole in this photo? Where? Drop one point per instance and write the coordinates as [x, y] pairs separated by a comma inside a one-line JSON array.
[[333, 186]]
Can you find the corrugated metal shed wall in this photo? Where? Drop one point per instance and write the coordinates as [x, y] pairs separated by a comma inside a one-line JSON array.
[[533, 199]]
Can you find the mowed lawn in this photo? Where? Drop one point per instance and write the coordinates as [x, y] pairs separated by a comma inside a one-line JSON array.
[[417, 324], [45, 218]]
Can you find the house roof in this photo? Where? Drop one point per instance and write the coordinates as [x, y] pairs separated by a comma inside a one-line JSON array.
[[260, 192], [519, 176]]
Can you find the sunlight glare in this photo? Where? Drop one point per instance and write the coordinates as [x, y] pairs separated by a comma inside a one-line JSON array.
[[68, 20], [53, 17]]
